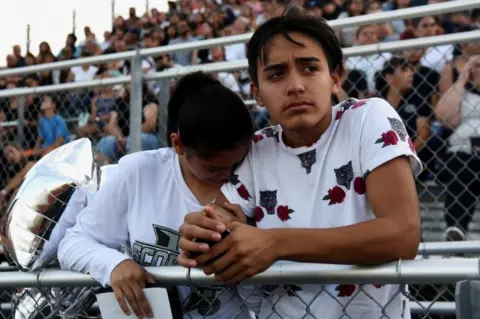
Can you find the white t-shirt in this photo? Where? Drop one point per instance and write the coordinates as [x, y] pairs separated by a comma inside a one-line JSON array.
[[322, 186], [81, 75], [143, 206]]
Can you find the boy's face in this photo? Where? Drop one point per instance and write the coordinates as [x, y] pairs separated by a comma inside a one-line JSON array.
[[47, 104], [295, 83]]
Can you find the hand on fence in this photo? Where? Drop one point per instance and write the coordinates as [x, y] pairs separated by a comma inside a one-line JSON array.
[[128, 280], [206, 226], [246, 252]]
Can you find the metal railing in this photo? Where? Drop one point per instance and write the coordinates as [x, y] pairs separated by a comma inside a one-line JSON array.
[[414, 12], [163, 78]]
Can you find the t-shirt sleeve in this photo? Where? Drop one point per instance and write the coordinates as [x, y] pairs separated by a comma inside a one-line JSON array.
[[240, 188], [384, 137]]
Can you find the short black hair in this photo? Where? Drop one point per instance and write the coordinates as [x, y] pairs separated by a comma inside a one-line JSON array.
[[389, 67], [294, 20], [209, 117]]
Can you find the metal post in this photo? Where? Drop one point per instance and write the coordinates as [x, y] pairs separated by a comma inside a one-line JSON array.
[[28, 38], [147, 6], [113, 12], [136, 97], [163, 98], [21, 120], [74, 21]]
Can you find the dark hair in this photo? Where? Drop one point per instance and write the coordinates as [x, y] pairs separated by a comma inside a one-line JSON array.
[[208, 116], [52, 97], [389, 67], [294, 20]]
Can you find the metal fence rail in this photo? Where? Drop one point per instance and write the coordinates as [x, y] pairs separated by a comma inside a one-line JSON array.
[[230, 66], [445, 271], [414, 12], [449, 271]]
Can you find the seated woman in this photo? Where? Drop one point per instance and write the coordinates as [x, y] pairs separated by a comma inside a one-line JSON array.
[[21, 164], [458, 110], [116, 141], [101, 107]]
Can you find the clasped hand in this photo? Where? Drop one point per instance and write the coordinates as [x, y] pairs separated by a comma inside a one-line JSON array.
[[245, 252]]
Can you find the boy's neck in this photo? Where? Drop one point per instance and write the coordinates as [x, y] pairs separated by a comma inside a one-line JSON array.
[[308, 136], [49, 113]]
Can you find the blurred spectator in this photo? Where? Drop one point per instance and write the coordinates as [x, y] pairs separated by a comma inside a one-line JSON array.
[[70, 44], [184, 58], [84, 72], [435, 57], [132, 20], [347, 35], [398, 26], [396, 84], [30, 59], [371, 64], [458, 110], [43, 50], [267, 7], [237, 51], [116, 141], [102, 104], [52, 129], [21, 164], [11, 61], [17, 52], [452, 70], [226, 78]]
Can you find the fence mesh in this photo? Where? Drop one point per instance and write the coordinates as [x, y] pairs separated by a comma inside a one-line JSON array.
[[435, 90], [272, 301]]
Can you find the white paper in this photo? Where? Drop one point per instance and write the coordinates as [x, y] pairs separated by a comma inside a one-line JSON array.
[[157, 298]]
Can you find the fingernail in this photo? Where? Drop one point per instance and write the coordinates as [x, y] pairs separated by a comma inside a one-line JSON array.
[[204, 247], [221, 228], [216, 236]]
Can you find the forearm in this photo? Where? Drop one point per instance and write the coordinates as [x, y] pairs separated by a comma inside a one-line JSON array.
[[371, 242], [80, 253], [448, 108]]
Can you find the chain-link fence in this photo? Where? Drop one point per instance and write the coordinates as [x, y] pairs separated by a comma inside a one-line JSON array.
[[307, 292], [433, 83]]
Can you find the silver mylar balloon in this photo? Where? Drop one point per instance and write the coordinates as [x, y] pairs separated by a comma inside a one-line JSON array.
[[71, 302], [41, 201]]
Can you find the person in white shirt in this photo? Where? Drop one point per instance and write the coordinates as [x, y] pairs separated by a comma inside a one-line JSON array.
[[326, 185], [145, 204]]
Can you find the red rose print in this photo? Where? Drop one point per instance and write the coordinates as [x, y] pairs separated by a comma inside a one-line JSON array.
[[410, 143], [338, 115], [283, 212], [358, 104], [243, 192], [388, 138], [359, 186], [378, 286], [257, 138], [336, 195], [345, 290], [259, 214]]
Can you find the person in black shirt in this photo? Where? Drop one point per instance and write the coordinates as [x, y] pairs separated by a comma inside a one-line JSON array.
[[395, 83]]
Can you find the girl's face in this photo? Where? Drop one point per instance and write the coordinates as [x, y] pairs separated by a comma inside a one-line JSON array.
[[13, 154]]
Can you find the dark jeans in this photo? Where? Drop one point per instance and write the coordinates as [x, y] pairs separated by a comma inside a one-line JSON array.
[[461, 176]]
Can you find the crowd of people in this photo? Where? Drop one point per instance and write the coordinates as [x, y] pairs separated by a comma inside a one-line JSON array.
[[421, 84]]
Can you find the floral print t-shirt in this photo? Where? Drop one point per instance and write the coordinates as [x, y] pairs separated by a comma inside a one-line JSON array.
[[323, 186]]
